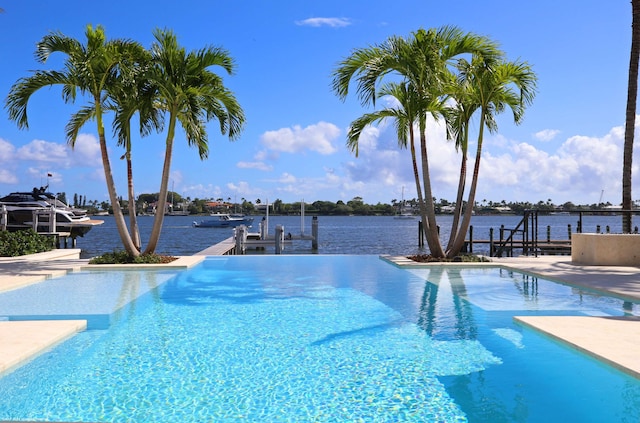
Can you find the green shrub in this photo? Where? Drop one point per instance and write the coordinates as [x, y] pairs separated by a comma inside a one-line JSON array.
[[122, 257], [20, 243]]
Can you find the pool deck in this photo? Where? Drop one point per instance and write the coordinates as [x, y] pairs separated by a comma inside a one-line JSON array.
[[614, 340]]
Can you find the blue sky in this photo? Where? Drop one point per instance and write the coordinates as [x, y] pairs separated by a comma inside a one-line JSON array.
[[569, 147]]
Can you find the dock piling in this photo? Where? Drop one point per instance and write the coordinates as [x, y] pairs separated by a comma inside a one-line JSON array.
[[314, 233], [279, 241]]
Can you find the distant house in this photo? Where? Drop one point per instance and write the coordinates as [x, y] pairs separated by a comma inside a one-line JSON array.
[[218, 206]]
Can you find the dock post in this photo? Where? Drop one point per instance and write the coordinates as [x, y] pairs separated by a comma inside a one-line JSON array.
[[279, 238], [420, 234], [34, 220], [4, 218], [314, 233], [490, 242], [569, 231], [597, 229], [548, 233], [608, 229], [471, 239], [241, 236]]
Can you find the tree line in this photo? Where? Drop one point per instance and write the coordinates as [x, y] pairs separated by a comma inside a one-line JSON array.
[[355, 206]]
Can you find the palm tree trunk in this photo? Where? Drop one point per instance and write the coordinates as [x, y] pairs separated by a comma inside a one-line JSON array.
[[433, 237], [459, 200], [632, 93], [416, 176], [468, 211], [133, 219], [164, 188], [111, 188]]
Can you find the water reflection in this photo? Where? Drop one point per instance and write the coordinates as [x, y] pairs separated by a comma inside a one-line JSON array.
[[445, 314]]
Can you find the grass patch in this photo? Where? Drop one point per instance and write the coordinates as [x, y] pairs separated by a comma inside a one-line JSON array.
[[123, 257]]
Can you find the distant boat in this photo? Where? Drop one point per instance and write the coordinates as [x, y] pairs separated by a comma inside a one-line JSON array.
[[223, 220], [403, 214], [178, 213]]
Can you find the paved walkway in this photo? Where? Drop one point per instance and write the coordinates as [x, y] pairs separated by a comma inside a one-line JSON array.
[[613, 340]]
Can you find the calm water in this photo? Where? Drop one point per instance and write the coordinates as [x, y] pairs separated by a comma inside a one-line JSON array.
[[337, 234], [314, 339]]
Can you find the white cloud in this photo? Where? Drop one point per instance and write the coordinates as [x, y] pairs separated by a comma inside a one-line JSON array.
[[7, 177], [332, 22], [287, 178], [86, 151], [7, 151], [43, 151], [546, 134], [318, 138], [254, 165]]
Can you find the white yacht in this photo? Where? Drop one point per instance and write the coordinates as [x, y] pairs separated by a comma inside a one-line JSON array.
[[22, 208]]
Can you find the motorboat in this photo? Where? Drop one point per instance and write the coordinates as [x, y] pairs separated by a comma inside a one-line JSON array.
[[223, 220], [37, 208]]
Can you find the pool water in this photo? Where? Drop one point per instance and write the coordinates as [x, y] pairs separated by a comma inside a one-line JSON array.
[[321, 339]]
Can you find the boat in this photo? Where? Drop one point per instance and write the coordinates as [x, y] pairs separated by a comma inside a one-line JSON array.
[[223, 220], [403, 214], [33, 210]]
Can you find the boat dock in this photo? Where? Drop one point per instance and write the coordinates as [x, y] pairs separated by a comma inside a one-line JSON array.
[[242, 240], [525, 239], [223, 248]]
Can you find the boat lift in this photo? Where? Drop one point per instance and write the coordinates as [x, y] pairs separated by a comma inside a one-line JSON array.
[[244, 239]]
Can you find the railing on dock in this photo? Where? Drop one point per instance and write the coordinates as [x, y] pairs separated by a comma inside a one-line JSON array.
[[46, 226], [525, 239]]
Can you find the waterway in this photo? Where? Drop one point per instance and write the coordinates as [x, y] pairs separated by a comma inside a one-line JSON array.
[[337, 234]]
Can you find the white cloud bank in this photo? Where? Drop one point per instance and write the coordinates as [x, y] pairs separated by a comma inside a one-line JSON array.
[[578, 171]]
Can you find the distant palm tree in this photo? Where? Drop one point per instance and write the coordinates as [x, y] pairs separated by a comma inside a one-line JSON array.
[[89, 69], [630, 121], [191, 95]]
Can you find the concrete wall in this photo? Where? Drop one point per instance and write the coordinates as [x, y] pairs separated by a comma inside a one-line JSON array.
[[606, 249]]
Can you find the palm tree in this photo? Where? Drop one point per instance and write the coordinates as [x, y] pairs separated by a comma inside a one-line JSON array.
[[423, 61], [192, 95], [630, 121], [458, 118], [90, 70], [133, 93], [491, 87], [404, 113]]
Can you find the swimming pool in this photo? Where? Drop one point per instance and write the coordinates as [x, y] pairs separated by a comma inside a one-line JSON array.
[[315, 338]]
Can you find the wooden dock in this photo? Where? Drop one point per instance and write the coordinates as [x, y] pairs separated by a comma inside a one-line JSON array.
[[223, 248], [545, 247]]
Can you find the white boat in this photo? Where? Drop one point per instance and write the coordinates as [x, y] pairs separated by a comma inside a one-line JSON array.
[[403, 214], [23, 208], [223, 220]]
